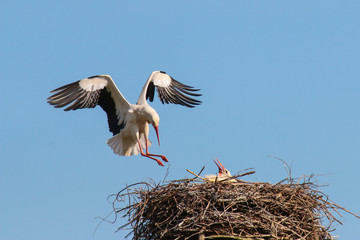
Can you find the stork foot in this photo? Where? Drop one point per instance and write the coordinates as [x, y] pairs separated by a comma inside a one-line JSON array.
[[155, 159], [160, 156], [164, 158], [159, 162]]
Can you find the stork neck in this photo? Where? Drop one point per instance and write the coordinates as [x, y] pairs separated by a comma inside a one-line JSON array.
[[142, 97]]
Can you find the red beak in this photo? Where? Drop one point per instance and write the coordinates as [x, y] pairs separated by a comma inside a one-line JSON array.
[[222, 166], [219, 165], [157, 133]]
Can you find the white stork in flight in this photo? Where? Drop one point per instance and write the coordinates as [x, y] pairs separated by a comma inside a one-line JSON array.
[[129, 123]]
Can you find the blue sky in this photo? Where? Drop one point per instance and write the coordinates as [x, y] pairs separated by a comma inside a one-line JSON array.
[[278, 78]]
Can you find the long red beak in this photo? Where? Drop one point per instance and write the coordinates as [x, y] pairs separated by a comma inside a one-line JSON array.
[[219, 165], [157, 133]]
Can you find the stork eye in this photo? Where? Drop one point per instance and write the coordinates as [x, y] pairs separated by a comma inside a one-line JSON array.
[[163, 72]]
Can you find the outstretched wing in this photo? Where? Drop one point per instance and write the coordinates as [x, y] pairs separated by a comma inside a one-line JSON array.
[[169, 91], [90, 92]]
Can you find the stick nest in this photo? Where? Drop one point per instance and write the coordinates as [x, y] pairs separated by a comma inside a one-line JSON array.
[[193, 209]]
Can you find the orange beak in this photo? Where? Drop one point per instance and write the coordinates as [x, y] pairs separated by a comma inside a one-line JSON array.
[[219, 165], [157, 133]]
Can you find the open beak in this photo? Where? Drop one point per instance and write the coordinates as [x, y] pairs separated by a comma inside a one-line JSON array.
[[157, 133], [219, 165]]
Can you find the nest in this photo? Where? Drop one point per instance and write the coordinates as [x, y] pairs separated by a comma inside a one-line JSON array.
[[193, 209]]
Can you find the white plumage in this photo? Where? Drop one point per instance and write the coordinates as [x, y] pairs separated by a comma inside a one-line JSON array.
[[129, 123], [223, 175]]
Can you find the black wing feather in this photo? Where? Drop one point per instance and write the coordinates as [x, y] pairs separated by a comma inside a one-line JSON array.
[[76, 97], [150, 92], [176, 93]]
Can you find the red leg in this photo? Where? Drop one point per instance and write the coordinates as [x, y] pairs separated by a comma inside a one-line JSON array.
[[147, 155], [155, 155]]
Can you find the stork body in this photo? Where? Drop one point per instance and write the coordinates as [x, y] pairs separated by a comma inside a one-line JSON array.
[[137, 129], [129, 123]]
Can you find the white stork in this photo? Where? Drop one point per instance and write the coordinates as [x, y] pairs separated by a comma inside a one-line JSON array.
[[222, 174], [129, 123]]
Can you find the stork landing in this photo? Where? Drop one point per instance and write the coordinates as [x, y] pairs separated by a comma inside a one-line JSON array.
[[129, 123]]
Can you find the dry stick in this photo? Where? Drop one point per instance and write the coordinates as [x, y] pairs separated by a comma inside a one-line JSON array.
[[286, 166], [233, 237], [196, 175], [342, 208]]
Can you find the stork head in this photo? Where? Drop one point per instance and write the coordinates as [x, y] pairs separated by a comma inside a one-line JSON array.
[[223, 172]]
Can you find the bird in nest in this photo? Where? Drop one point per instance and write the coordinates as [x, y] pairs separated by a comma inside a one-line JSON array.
[[223, 174]]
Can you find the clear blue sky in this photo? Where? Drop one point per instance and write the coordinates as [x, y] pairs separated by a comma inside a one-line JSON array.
[[278, 78]]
